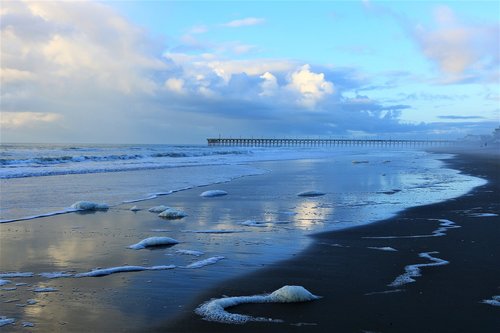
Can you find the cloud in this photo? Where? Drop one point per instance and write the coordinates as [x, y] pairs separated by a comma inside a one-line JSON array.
[[15, 120], [249, 21], [312, 87], [72, 71], [175, 85], [453, 117], [463, 52]]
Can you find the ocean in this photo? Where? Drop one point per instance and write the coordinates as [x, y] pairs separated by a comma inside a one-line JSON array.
[[44, 243], [44, 179]]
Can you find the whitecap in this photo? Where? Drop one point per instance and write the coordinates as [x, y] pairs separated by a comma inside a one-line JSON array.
[[153, 241], [205, 262], [121, 269], [135, 209], [172, 214], [213, 193], [413, 271], [89, 205], [214, 310], [311, 194]]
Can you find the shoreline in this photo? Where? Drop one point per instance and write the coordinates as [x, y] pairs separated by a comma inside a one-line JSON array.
[[352, 274]]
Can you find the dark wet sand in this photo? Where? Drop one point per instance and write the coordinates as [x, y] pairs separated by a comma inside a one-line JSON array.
[[444, 299]]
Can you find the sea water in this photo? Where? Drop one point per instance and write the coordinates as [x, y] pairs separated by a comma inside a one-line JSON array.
[[60, 258], [46, 179]]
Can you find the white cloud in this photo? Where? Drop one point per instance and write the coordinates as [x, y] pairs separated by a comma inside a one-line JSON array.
[[12, 75], [312, 86], [175, 85], [269, 84], [462, 51], [249, 21], [17, 120]]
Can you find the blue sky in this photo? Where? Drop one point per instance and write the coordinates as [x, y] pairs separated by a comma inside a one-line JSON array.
[[180, 71]]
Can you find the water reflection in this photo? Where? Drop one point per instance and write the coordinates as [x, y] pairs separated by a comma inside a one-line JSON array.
[[81, 242]]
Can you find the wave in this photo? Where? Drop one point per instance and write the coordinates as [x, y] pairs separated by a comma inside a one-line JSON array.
[[82, 160], [51, 160]]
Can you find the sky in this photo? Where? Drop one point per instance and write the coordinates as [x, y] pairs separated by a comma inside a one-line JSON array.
[[183, 71]]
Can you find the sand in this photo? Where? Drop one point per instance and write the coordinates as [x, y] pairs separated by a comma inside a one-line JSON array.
[[353, 278]]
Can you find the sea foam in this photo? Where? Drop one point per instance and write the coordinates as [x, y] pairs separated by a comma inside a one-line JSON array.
[[310, 194], [214, 310], [172, 214], [55, 275], [413, 271], [16, 274], [153, 241], [205, 262], [495, 301], [439, 232], [45, 289], [4, 282], [122, 269], [158, 209], [6, 321], [213, 193], [89, 205], [190, 252]]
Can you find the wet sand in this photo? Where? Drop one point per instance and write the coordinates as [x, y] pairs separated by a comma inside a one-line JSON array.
[[353, 277]]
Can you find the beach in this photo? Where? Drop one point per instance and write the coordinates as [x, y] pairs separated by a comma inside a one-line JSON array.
[[262, 236], [351, 272]]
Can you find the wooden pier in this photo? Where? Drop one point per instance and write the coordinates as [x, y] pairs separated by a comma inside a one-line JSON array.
[[325, 142]]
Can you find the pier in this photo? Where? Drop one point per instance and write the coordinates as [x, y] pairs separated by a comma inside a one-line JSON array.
[[241, 142]]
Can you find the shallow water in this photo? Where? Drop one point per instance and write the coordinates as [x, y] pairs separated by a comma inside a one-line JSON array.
[[79, 242]]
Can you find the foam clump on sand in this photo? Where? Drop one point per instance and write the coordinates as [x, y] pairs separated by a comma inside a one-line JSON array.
[[310, 194], [384, 248], [6, 321], [153, 241], [55, 275], [158, 209], [205, 262], [190, 252], [292, 294], [495, 301], [16, 274], [214, 310], [252, 223], [45, 289], [213, 193], [172, 214], [413, 271], [89, 205], [121, 269], [4, 282]]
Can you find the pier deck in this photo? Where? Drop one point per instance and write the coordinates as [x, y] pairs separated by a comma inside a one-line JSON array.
[[246, 142]]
